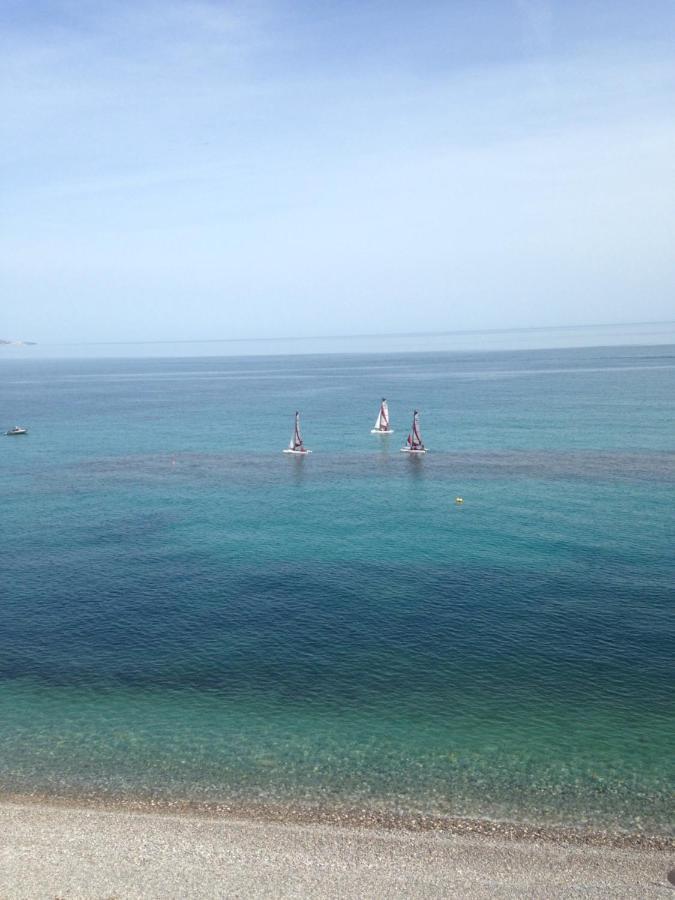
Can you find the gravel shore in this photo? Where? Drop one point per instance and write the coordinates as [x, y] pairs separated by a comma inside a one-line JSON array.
[[72, 852]]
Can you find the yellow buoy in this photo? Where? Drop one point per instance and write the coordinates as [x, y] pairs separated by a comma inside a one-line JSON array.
[[459, 499]]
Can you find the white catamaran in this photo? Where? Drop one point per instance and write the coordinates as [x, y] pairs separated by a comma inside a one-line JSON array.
[[296, 445], [414, 443], [382, 421]]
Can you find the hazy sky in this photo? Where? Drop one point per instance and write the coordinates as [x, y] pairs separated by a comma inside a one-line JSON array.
[[215, 169]]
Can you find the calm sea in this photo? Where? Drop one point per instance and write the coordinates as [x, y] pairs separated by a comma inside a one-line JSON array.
[[187, 613]]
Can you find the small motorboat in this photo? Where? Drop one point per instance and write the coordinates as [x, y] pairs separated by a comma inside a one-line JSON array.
[[16, 430]]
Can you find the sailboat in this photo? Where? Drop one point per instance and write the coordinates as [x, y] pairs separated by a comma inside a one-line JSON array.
[[296, 445], [382, 421], [414, 443]]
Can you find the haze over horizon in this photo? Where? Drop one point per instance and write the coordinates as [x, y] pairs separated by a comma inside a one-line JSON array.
[[188, 170]]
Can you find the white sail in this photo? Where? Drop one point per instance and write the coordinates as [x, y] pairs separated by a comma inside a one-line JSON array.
[[416, 436], [382, 421]]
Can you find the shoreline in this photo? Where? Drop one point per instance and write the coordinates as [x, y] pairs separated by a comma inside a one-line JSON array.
[[343, 816], [62, 849]]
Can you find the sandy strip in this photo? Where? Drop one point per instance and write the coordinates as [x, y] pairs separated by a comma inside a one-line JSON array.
[[72, 852]]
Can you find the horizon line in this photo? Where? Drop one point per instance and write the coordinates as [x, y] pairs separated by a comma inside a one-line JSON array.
[[338, 337]]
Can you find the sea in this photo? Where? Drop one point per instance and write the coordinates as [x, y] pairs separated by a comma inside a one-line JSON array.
[[188, 615]]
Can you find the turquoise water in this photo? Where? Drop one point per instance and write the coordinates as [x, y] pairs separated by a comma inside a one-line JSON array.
[[187, 613]]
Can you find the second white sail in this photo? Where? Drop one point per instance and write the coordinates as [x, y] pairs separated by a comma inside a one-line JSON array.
[[382, 421]]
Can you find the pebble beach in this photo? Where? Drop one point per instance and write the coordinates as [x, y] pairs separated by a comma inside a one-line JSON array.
[[93, 852]]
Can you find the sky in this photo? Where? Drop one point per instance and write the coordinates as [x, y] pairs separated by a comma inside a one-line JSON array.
[[198, 170]]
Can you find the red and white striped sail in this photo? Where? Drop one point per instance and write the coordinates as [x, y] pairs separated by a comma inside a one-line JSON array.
[[296, 444], [382, 421], [296, 440], [414, 442]]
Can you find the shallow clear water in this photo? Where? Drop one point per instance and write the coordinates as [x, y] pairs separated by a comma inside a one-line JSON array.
[[187, 613]]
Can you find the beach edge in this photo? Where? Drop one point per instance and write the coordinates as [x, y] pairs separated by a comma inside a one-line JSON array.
[[344, 816]]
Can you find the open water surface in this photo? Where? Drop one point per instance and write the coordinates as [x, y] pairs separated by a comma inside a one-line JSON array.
[[187, 613]]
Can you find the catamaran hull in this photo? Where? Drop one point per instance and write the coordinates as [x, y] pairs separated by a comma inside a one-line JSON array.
[[297, 452], [380, 431], [409, 450]]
